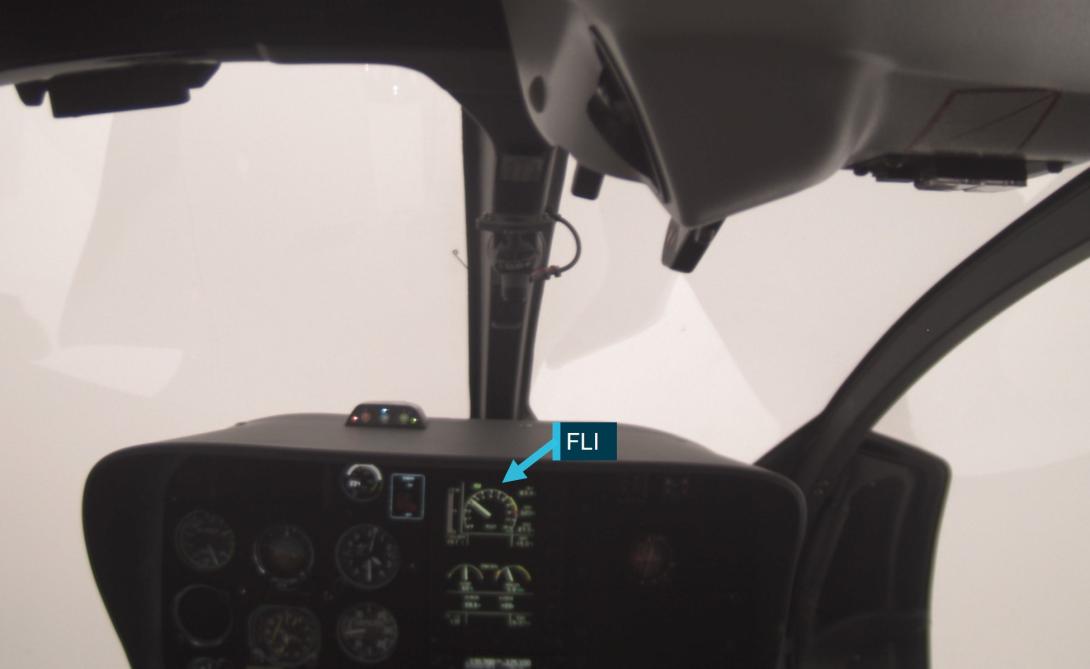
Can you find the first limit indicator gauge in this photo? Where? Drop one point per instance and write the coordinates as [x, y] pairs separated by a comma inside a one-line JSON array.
[[476, 512], [490, 511]]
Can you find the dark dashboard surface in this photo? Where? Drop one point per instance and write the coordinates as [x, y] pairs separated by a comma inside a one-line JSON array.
[[264, 555]]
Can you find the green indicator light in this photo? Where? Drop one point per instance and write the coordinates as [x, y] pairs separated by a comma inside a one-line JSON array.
[[403, 418], [413, 420]]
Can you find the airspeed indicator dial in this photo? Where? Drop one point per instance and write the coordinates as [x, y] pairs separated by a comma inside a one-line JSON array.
[[490, 510]]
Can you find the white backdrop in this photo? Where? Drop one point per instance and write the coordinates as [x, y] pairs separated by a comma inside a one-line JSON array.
[[284, 243]]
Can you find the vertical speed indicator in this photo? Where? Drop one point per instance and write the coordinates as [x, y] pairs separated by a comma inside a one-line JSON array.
[[367, 633]]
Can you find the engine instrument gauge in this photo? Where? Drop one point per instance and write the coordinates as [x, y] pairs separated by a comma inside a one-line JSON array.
[[465, 577], [490, 510], [513, 577], [284, 554], [367, 633], [368, 556], [204, 541], [284, 636]]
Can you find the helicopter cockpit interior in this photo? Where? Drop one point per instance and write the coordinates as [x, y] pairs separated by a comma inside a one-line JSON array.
[[378, 535]]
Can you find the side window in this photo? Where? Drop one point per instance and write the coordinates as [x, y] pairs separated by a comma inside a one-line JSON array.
[[1009, 409]]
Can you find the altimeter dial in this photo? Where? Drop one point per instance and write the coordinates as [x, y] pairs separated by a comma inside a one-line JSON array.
[[368, 556]]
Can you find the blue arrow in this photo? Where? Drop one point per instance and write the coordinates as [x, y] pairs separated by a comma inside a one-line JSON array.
[[517, 471]]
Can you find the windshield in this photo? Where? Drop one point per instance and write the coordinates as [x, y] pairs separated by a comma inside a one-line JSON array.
[[751, 345], [292, 240]]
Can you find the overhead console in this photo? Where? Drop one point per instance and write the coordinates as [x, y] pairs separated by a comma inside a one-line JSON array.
[[300, 541], [719, 107]]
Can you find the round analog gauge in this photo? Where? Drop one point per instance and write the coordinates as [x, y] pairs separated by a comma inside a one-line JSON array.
[[367, 633], [513, 577], [490, 510], [361, 483], [284, 636], [368, 556], [202, 615], [204, 541], [284, 554], [465, 577]]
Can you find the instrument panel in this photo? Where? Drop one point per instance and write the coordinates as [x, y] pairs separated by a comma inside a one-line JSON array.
[[316, 558], [287, 570]]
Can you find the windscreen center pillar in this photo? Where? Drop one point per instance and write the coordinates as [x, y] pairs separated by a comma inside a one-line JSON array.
[[509, 188]]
